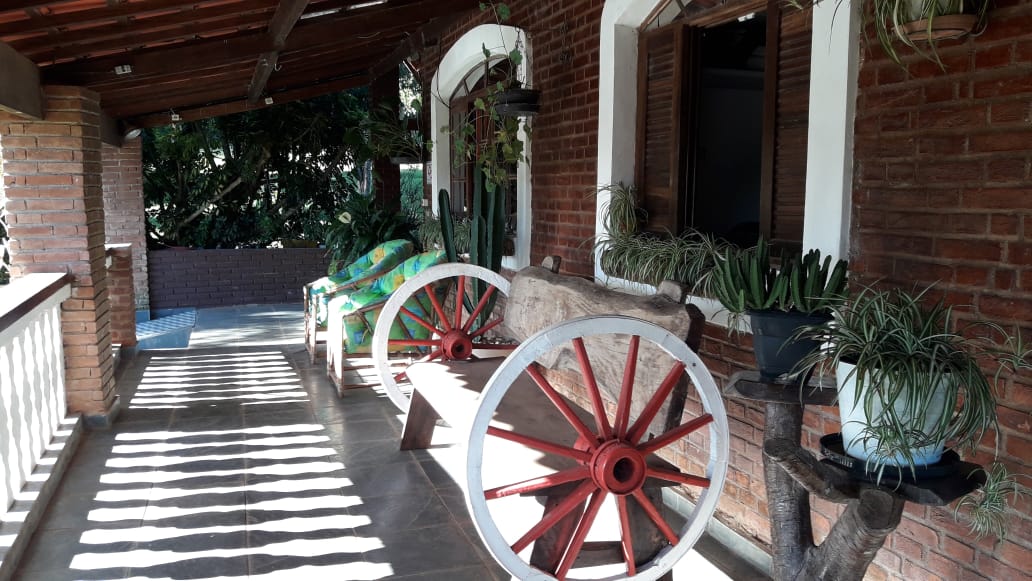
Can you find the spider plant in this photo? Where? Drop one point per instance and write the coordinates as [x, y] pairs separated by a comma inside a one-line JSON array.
[[430, 236], [913, 22], [620, 214], [912, 367], [688, 258], [987, 505]]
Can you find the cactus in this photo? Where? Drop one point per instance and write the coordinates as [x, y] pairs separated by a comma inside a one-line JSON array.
[[487, 236]]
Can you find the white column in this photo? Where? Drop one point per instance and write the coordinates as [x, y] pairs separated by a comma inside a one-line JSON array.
[[834, 69]]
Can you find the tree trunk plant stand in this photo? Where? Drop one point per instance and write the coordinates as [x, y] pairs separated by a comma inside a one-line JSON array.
[[792, 474], [598, 466]]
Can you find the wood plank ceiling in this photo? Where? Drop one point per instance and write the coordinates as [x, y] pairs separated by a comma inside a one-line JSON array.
[[200, 58]]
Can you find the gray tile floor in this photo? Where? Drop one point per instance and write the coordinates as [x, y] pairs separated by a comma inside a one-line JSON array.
[[235, 459]]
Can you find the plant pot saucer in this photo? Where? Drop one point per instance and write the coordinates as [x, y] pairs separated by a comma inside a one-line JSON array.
[[834, 452], [945, 27]]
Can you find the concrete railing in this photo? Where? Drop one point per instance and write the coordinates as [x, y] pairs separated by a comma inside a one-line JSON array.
[[32, 390]]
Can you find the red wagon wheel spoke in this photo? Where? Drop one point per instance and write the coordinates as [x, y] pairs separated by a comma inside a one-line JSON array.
[[421, 321], [601, 419], [414, 342], [437, 307], [675, 434], [557, 400], [626, 542], [587, 519], [480, 307], [655, 403], [460, 295], [656, 518], [623, 406], [400, 376], [565, 507], [539, 444], [539, 483], [678, 477], [491, 325]]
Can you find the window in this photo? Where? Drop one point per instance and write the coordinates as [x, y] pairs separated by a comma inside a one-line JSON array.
[[722, 123], [461, 110]]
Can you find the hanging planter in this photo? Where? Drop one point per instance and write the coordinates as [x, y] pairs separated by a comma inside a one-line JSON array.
[[945, 27], [517, 102]]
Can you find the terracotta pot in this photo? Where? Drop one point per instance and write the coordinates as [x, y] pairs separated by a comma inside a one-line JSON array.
[[945, 27]]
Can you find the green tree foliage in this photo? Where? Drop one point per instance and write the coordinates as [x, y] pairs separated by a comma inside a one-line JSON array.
[[412, 193], [281, 172]]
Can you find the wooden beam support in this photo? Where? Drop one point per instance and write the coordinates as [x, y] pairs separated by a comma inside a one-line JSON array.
[[20, 90], [110, 130], [287, 14], [412, 43]]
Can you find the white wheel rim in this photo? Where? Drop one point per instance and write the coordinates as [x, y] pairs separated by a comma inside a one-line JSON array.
[[381, 331], [560, 334]]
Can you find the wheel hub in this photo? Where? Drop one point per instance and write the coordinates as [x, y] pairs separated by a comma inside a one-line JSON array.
[[457, 344], [618, 468]]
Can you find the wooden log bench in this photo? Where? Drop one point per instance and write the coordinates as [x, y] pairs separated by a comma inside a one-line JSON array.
[[596, 406]]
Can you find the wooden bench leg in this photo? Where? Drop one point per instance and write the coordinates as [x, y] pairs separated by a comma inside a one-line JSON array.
[[548, 550], [647, 539], [419, 424]]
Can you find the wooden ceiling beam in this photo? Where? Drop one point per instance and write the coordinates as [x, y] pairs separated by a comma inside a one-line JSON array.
[[162, 60], [20, 90], [181, 36], [12, 5], [287, 14], [237, 106], [108, 13], [187, 24]]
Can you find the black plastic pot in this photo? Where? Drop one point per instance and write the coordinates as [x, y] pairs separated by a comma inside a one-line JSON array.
[[517, 102], [776, 355]]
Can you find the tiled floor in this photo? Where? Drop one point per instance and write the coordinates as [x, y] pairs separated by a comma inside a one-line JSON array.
[[235, 459]]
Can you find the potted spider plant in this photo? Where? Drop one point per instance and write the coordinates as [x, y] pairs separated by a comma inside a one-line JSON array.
[[910, 379], [920, 24], [778, 301]]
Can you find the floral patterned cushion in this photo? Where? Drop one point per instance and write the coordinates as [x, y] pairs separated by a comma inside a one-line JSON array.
[[380, 259], [357, 319]]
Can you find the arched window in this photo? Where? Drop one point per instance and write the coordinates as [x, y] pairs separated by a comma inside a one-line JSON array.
[[461, 78]]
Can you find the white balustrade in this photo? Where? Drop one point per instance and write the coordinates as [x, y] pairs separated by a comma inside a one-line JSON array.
[[32, 387]]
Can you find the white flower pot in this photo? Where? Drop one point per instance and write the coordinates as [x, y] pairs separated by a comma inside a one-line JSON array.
[[855, 419]]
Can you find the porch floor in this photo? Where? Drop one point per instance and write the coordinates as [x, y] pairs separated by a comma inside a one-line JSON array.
[[235, 459]]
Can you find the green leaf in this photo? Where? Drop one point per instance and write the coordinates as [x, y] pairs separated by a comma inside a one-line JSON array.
[[503, 12], [516, 57]]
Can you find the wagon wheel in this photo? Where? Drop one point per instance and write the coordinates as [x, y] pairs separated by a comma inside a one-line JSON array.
[[454, 331], [601, 458]]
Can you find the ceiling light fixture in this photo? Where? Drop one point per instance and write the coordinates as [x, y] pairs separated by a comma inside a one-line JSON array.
[[366, 4], [176, 117], [268, 101], [123, 69], [319, 13]]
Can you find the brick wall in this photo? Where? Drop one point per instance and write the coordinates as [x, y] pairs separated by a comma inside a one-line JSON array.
[[943, 194], [565, 40], [215, 278], [121, 293], [123, 208], [52, 181]]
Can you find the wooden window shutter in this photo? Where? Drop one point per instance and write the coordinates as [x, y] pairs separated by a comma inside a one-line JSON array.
[[662, 124], [787, 173]]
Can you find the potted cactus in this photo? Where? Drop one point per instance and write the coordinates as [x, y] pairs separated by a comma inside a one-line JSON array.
[[779, 301]]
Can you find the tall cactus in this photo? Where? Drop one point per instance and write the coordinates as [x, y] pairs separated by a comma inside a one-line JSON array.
[[487, 236]]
